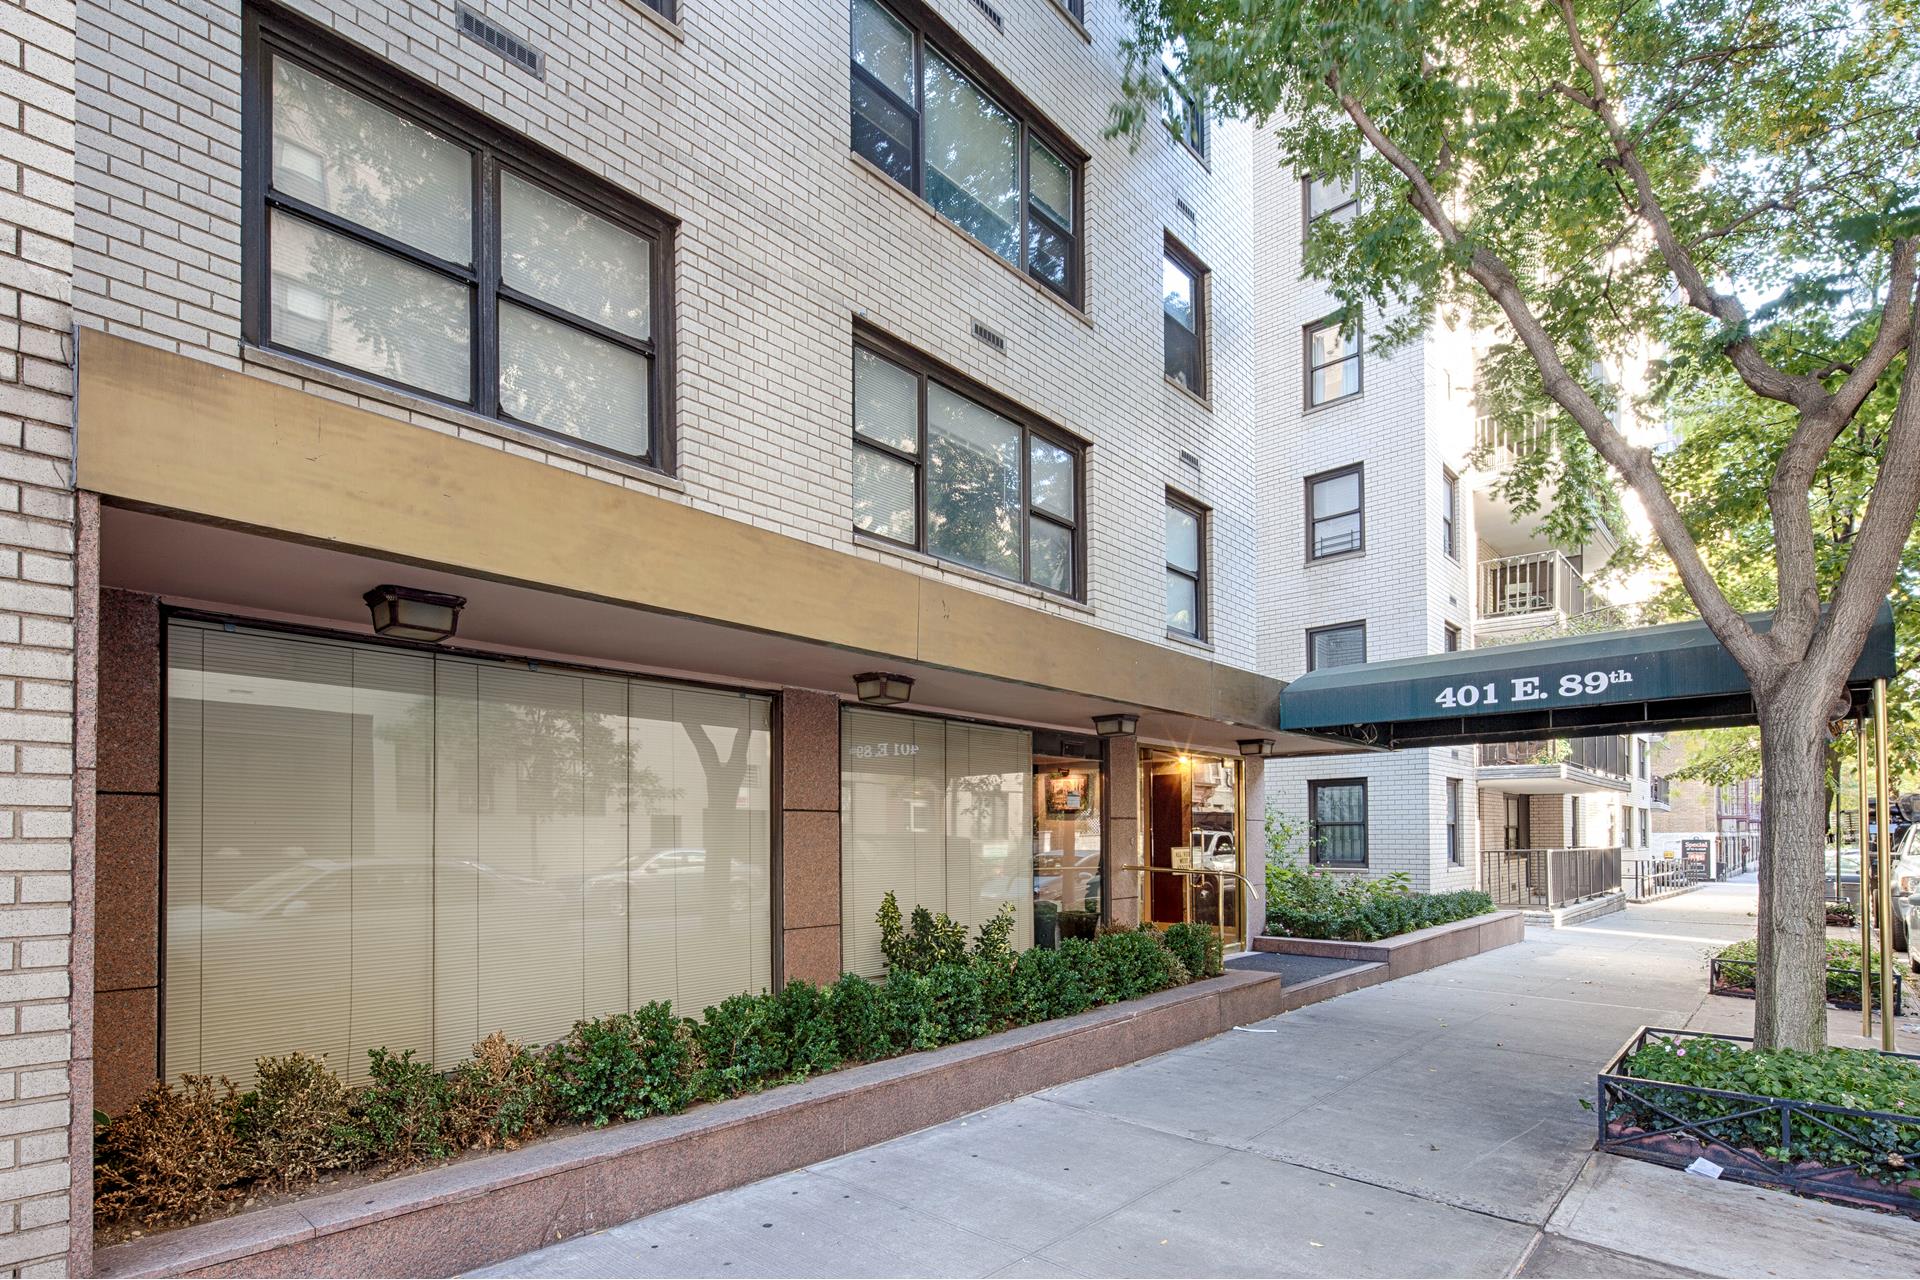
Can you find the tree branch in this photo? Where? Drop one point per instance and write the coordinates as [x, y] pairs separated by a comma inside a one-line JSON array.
[[1635, 464]]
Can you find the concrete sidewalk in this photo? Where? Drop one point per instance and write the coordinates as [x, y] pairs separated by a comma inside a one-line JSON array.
[[1428, 1126]]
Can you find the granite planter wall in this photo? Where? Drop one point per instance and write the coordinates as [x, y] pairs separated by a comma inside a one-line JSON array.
[[1412, 952]]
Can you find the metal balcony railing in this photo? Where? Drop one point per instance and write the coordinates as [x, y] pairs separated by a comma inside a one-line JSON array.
[[1611, 754], [1661, 789], [1543, 582], [1547, 878]]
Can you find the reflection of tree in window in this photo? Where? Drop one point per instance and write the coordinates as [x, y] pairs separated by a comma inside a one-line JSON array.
[[973, 159], [973, 484]]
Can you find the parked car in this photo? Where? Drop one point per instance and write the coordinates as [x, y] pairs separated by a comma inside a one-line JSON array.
[[1905, 878]]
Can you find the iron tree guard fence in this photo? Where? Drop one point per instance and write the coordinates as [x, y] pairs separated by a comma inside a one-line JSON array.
[[1751, 1136], [1735, 978]]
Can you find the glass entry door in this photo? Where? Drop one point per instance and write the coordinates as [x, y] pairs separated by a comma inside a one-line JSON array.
[[1067, 804], [1192, 808]]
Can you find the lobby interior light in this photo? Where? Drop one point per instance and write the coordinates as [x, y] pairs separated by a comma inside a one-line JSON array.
[[1119, 725], [409, 613], [882, 688]]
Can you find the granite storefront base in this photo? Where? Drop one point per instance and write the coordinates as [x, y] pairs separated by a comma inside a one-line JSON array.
[[464, 1215], [1413, 952]]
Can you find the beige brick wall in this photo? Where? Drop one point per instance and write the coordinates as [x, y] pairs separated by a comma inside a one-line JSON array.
[[37, 567], [735, 121]]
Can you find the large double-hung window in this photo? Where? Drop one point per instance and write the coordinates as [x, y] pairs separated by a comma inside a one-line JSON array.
[[406, 241], [942, 467], [994, 172]]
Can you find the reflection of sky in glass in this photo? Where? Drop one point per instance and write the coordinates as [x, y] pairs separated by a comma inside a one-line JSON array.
[[883, 48], [973, 161], [1177, 292]]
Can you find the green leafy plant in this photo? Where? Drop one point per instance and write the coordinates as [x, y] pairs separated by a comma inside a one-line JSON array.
[[1313, 902], [173, 1156], [994, 941], [906, 1002], [1739, 961], [1198, 948], [802, 1017], [960, 1009], [927, 939], [500, 1097], [1858, 1079], [401, 1113], [860, 1019], [1134, 963], [739, 1048], [623, 1066], [294, 1121]]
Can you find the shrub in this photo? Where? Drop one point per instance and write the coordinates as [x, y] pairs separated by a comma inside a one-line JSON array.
[[1738, 962], [401, 1112], [1841, 915], [1135, 963], [927, 940], [1312, 902], [623, 1066], [995, 939], [1198, 948], [294, 1121], [173, 1156], [959, 1008], [499, 1097], [996, 989], [738, 1047], [1079, 979], [860, 1019], [1860, 1079], [803, 1017], [907, 1006]]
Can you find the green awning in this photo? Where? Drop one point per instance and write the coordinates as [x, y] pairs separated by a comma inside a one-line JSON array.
[[1646, 679]]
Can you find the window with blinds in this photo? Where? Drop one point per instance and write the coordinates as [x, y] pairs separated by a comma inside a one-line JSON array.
[[938, 812], [373, 847]]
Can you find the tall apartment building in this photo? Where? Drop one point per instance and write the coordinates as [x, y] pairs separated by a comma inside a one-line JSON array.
[[517, 510], [1383, 536]]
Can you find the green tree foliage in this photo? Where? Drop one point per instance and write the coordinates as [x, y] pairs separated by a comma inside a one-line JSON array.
[[1728, 185]]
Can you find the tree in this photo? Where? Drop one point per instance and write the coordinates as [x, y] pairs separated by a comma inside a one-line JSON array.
[[1729, 182]]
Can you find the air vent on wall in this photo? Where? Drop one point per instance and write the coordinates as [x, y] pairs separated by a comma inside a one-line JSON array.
[[501, 41], [992, 14], [997, 341], [1187, 210], [1190, 459]]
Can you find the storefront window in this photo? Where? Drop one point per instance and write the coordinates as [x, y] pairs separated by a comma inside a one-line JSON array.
[[375, 847], [935, 811], [1067, 803]]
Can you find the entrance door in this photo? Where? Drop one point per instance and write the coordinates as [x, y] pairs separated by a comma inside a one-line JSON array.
[[1167, 830], [1192, 810]]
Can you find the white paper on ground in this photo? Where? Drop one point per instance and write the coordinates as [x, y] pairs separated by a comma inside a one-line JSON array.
[[1704, 1167]]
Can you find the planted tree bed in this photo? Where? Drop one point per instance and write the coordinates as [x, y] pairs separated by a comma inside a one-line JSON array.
[[1840, 1125], [1731, 973]]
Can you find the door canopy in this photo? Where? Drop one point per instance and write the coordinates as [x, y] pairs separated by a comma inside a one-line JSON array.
[[1645, 679]]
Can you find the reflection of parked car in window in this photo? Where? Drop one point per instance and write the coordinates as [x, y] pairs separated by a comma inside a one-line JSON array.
[[1214, 851]]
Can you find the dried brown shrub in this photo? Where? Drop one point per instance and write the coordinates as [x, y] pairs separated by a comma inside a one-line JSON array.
[[500, 1096], [173, 1157], [294, 1120]]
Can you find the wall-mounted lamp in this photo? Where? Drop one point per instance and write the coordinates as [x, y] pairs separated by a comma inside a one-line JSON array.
[[408, 613], [882, 688], [1116, 726], [1260, 748]]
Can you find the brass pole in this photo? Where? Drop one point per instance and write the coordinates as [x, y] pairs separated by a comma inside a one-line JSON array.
[[1866, 932], [1883, 861]]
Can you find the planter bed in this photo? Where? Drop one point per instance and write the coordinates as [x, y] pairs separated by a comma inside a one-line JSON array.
[[482, 1209], [1674, 1124], [1412, 952], [1735, 978]]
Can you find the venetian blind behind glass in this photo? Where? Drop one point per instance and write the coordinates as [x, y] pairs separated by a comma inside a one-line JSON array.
[[372, 847], [938, 812]]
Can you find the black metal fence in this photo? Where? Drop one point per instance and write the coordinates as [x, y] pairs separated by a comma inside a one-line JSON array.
[[1735, 978], [1751, 1136], [1548, 878]]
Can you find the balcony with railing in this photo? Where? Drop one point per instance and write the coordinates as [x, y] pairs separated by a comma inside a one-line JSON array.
[[1519, 594], [1543, 879], [1561, 766], [1660, 791]]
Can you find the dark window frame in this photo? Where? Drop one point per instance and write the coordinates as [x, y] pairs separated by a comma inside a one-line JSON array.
[[1456, 855], [1314, 824], [1449, 638], [668, 9], [1306, 361], [1359, 624], [928, 370], [495, 150], [1353, 468], [1191, 129], [1450, 513], [1184, 259], [929, 32], [1308, 217], [1203, 521]]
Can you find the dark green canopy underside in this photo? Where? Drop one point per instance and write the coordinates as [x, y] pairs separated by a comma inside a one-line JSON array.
[[1676, 676]]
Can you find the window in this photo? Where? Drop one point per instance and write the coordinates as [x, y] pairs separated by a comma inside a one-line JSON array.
[[1645, 835], [949, 469], [1337, 822], [410, 243], [1449, 513], [1450, 637], [1183, 306], [1335, 525], [1340, 646], [1517, 824], [1456, 857], [931, 126], [1331, 198], [1640, 756], [373, 845], [1185, 118], [1574, 833], [665, 8], [1186, 569], [1333, 363]]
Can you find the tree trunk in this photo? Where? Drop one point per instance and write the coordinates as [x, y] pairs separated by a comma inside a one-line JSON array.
[[1790, 1007]]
